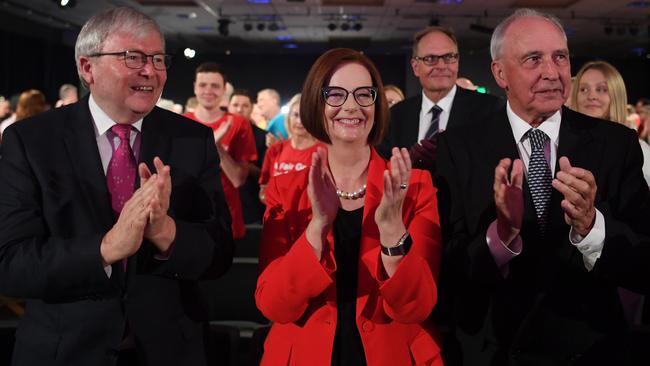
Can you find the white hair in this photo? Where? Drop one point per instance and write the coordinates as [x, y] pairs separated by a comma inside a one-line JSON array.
[[500, 30]]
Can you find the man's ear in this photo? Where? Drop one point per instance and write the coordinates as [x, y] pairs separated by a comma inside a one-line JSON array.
[[85, 69], [499, 74], [414, 64]]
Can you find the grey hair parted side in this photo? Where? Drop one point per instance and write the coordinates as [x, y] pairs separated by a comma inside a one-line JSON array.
[[121, 19]]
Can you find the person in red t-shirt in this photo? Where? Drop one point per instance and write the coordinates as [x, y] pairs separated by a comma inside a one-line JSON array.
[[289, 155], [233, 137]]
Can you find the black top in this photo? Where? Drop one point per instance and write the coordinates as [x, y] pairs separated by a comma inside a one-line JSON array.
[[348, 349]]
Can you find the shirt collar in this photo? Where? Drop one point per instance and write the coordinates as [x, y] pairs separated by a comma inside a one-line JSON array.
[[551, 126], [444, 103], [102, 121]]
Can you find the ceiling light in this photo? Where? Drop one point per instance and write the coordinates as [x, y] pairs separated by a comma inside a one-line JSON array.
[[273, 27], [65, 4], [189, 53], [261, 26], [248, 27], [331, 27], [345, 27], [357, 26]]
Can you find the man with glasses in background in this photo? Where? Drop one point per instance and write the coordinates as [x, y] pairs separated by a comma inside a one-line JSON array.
[[415, 122], [112, 209]]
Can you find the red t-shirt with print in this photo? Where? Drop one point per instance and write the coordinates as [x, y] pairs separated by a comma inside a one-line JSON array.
[[282, 158]]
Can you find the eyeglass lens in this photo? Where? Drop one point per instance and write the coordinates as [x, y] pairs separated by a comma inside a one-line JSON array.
[[336, 97], [137, 59]]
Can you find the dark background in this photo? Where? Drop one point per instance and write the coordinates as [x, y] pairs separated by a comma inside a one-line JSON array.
[[35, 56]]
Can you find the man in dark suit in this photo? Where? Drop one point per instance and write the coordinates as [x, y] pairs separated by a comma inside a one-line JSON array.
[[104, 250], [534, 263], [416, 121]]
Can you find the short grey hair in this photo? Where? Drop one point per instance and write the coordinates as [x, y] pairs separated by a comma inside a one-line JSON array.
[[500, 31], [66, 89], [272, 93], [121, 19]]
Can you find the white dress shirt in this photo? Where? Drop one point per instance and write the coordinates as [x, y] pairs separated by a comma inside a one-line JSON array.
[[425, 112]]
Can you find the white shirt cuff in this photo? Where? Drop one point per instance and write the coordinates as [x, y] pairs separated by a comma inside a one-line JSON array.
[[591, 245], [109, 271]]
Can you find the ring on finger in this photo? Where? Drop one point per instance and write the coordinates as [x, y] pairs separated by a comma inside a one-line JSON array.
[[403, 186]]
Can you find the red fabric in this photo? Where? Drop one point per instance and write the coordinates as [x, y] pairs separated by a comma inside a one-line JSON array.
[[282, 158], [240, 144], [298, 293]]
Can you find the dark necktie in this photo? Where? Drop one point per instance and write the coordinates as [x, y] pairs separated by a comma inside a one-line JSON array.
[[120, 175], [435, 122], [539, 177]]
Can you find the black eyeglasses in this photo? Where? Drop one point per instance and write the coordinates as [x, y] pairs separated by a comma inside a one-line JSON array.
[[137, 59], [430, 60], [335, 96]]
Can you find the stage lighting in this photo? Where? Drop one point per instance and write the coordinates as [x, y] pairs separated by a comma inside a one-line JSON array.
[[65, 4], [345, 27], [273, 27], [357, 26], [261, 27], [331, 27], [248, 27]]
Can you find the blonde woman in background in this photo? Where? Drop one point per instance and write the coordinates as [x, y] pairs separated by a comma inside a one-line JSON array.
[[394, 94], [599, 91], [293, 154]]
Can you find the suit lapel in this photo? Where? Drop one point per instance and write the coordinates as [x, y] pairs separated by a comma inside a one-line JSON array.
[[460, 107], [154, 141], [81, 146], [576, 143]]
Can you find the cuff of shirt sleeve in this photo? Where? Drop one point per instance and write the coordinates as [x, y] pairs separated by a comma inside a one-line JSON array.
[[163, 256], [591, 246], [109, 271], [502, 253]]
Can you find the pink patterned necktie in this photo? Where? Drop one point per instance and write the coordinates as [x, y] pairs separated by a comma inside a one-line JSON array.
[[120, 175]]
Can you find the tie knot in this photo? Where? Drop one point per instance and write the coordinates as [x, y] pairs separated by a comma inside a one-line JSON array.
[[537, 138], [435, 111], [122, 131]]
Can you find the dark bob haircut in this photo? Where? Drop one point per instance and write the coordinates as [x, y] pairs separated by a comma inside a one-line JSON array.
[[312, 104]]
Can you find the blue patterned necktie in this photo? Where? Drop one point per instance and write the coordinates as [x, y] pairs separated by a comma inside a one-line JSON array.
[[435, 122], [539, 177]]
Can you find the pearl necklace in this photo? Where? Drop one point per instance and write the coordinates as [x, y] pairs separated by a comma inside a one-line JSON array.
[[351, 195]]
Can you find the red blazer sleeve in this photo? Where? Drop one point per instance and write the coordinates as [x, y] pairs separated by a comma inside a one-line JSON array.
[[411, 293], [290, 274]]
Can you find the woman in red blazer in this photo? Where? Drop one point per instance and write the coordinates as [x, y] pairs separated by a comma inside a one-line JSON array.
[[351, 247]]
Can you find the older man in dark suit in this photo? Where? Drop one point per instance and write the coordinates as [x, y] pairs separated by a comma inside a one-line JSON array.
[[534, 263], [416, 121], [96, 242]]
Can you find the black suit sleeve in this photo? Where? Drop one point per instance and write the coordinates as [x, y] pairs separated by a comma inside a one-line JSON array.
[[626, 209], [33, 262], [204, 246], [466, 251]]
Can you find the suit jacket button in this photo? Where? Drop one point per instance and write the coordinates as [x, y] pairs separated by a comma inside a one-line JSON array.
[[367, 326]]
